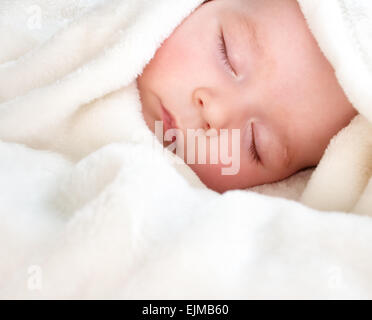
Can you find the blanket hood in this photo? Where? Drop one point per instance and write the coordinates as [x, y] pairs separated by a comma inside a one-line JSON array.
[[342, 180], [80, 61], [93, 62], [343, 29]]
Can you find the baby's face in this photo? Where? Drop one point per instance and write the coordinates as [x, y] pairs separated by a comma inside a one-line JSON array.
[[234, 63]]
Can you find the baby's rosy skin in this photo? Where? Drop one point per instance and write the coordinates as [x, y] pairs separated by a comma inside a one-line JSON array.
[[281, 81]]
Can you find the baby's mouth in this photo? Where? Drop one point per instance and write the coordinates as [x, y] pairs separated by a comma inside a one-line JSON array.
[[168, 120]]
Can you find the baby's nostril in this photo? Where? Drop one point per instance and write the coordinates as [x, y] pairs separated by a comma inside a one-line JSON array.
[[201, 103], [208, 126]]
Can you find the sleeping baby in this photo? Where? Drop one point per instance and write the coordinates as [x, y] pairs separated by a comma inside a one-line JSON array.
[[250, 67]]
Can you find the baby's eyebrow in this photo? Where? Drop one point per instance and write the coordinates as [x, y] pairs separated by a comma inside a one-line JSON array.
[[248, 27]]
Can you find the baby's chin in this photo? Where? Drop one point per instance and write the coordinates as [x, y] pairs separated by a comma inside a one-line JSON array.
[[212, 177]]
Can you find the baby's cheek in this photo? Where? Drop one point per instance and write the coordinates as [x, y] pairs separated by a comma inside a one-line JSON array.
[[173, 54]]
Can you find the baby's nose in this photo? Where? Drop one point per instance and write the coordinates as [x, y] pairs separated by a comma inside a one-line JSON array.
[[214, 113]]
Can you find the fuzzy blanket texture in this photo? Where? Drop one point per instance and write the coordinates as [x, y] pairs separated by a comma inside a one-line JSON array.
[[92, 206]]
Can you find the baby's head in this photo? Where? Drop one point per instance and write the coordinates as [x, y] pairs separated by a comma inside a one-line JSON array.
[[251, 65]]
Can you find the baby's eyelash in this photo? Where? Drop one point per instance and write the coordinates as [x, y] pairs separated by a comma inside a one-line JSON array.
[[253, 150], [254, 154], [223, 50]]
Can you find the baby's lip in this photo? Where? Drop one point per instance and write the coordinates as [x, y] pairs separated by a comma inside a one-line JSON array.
[[168, 119]]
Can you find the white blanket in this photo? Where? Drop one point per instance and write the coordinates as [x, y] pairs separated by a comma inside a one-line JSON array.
[[342, 180], [91, 206]]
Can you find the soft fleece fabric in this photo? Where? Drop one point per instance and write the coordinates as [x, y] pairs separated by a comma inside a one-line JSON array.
[[343, 181], [93, 207]]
